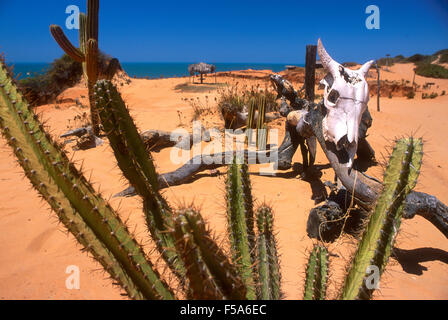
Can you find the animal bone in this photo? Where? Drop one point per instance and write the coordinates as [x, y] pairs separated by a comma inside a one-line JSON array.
[[345, 98]]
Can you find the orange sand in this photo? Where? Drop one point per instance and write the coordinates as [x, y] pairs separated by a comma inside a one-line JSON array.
[[35, 250]]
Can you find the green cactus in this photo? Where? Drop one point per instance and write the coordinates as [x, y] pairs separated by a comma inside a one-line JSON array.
[[182, 237], [210, 273], [316, 274], [240, 222], [87, 53], [378, 239], [259, 103], [269, 277], [82, 211], [138, 167]]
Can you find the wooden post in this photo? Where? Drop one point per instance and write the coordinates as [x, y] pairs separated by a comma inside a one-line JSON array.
[[310, 71], [378, 90]]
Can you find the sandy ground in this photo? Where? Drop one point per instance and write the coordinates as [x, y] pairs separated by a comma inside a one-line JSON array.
[[35, 251]]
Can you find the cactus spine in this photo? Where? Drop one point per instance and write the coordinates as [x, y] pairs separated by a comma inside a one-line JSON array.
[[376, 244], [240, 221], [316, 274], [268, 267], [185, 242], [84, 212], [138, 167], [210, 274], [87, 53]]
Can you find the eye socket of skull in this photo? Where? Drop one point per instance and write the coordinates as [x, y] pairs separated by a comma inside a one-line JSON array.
[[333, 96]]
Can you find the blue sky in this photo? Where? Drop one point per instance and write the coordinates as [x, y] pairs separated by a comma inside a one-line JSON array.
[[228, 30]]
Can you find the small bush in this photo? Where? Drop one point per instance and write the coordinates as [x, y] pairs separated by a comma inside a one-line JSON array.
[[431, 70], [424, 95], [443, 93], [419, 58], [410, 94], [443, 58], [62, 73], [232, 99], [433, 95]]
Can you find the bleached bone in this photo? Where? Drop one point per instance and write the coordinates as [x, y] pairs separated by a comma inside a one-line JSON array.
[[346, 96]]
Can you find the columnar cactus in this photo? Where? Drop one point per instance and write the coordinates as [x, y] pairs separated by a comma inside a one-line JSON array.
[[182, 236], [269, 277], [241, 222], [87, 53], [316, 274], [378, 239], [210, 274], [82, 210], [137, 166]]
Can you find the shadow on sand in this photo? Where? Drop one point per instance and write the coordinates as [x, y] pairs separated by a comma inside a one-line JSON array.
[[410, 259]]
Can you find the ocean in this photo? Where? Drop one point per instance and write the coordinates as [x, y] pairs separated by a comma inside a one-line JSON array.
[[154, 70]]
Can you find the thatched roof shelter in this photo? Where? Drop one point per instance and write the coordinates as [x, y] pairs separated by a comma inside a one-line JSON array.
[[201, 68]]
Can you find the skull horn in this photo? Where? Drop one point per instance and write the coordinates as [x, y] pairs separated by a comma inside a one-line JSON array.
[[329, 64]]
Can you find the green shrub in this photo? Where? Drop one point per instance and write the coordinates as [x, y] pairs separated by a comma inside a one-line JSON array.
[[443, 58], [410, 94], [62, 73], [420, 58], [431, 70], [443, 51], [443, 93], [433, 95], [234, 98]]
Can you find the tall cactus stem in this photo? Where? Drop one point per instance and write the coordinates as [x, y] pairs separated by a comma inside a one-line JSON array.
[[210, 274], [268, 266], [376, 244], [137, 166], [88, 216], [237, 217], [65, 44], [316, 274]]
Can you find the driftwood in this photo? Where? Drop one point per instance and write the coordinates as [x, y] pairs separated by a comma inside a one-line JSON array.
[[198, 164], [365, 190], [155, 140]]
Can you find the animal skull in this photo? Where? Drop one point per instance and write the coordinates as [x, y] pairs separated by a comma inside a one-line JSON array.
[[345, 98]]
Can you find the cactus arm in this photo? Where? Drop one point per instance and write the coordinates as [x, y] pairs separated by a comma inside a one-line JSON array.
[[316, 274], [91, 63], [310, 275], [268, 266], [82, 32], [83, 40], [59, 181], [138, 168], [238, 229], [205, 259], [93, 7], [377, 241], [92, 60], [65, 44], [321, 288], [248, 208]]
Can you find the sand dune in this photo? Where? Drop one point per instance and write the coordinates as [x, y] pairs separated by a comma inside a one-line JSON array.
[[35, 251]]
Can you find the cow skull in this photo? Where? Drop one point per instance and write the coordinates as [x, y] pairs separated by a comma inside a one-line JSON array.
[[345, 98]]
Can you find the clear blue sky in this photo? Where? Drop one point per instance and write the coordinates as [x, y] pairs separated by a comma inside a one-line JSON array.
[[230, 31]]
